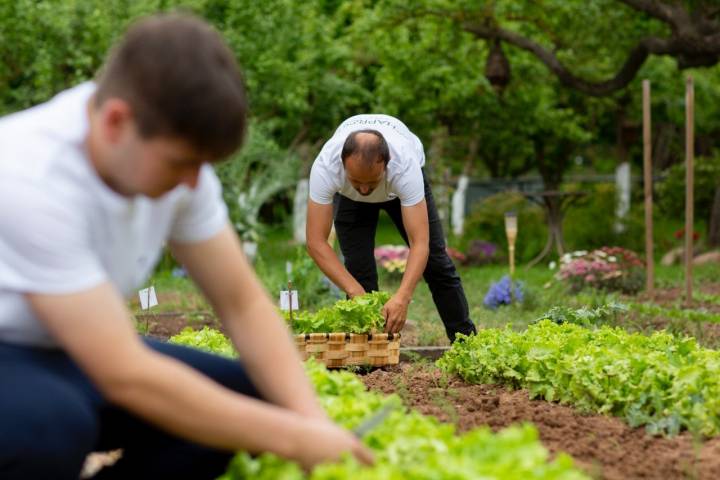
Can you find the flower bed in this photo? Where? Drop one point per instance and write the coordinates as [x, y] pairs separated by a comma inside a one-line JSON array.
[[392, 259], [606, 268]]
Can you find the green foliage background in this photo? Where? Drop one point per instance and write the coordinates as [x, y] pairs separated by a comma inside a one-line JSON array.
[[309, 64]]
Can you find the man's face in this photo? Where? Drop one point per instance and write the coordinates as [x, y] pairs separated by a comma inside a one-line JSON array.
[[153, 167], [364, 179], [134, 165]]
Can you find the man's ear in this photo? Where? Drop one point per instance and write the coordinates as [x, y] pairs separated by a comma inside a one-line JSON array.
[[115, 117]]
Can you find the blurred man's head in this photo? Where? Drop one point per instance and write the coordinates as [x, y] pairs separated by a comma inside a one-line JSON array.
[[169, 98], [365, 156]]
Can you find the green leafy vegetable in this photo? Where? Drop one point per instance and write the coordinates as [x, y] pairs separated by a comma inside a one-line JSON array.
[[207, 339], [584, 316], [362, 314], [663, 382], [406, 444]]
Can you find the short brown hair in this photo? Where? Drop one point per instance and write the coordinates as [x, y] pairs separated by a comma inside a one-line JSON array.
[[181, 80]]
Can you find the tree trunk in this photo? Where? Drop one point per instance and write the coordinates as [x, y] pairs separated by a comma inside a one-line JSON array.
[[666, 136], [714, 224]]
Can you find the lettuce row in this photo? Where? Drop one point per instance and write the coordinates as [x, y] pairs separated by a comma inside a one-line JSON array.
[[661, 381], [406, 444]]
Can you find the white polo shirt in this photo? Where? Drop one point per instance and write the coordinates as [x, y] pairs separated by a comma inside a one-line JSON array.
[[403, 176], [63, 230]]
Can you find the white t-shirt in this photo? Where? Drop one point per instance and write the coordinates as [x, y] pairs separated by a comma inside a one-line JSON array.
[[403, 176], [63, 230]]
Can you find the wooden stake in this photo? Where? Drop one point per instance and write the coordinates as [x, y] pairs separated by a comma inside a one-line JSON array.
[[147, 327], [647, 172], [512, 260], [511, 233], [290, 299], [689, 184]]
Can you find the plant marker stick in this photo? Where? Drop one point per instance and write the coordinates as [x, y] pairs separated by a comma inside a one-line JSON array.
[[290, 292], [149, 309]]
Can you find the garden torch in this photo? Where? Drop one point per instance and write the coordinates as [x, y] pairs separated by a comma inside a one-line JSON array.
[[511, 233]]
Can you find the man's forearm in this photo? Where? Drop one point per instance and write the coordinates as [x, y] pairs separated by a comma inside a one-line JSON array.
[[416, 262], [329, 263], [184, 402], [263, 339]]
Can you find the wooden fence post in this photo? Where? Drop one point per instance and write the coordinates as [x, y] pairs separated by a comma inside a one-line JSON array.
[[647, 172], [689, 185]]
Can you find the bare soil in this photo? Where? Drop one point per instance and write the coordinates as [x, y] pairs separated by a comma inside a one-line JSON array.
[[707, 333], [675, 296], [605, 447], [165, 325]]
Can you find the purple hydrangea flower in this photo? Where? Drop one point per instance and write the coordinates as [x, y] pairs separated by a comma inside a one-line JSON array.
[[488, 249], [503, 292]]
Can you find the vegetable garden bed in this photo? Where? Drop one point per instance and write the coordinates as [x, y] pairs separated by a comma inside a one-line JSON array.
[[605, 447]]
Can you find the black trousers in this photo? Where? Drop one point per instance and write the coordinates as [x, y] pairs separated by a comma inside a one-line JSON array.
[[356, 223]]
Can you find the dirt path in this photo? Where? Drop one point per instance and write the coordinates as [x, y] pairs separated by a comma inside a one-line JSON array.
[[605, 447]]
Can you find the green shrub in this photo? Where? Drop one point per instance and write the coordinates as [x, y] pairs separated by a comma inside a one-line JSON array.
[[671, 191], [599, 206], [313, 288], [487, 222], [591, 223], [48, 46], [251, 177]]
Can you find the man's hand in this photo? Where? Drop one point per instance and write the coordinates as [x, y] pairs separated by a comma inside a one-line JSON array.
[[323, 441], [356, 292], [395, 313]]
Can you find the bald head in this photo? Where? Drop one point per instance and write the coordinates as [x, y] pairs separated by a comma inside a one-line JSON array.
[[365, 155], [367, 147]]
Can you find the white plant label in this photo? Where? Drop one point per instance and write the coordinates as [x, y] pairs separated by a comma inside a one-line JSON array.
[[288, 268], [285, 300], [148, 298]]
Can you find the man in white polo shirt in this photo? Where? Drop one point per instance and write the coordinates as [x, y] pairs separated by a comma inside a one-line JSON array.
[[375, 162], [92, 184]]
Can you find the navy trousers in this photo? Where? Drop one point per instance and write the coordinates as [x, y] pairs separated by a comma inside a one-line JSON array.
[[51, 417], [356, 223]]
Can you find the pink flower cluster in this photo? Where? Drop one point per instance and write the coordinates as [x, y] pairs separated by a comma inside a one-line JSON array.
[[391, 252], [392, 258], [610, 268]]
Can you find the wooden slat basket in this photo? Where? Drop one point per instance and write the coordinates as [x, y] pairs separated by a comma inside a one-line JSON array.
[[344, 349]]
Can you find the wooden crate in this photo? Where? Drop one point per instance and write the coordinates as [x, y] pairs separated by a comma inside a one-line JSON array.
[[344, 349]]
